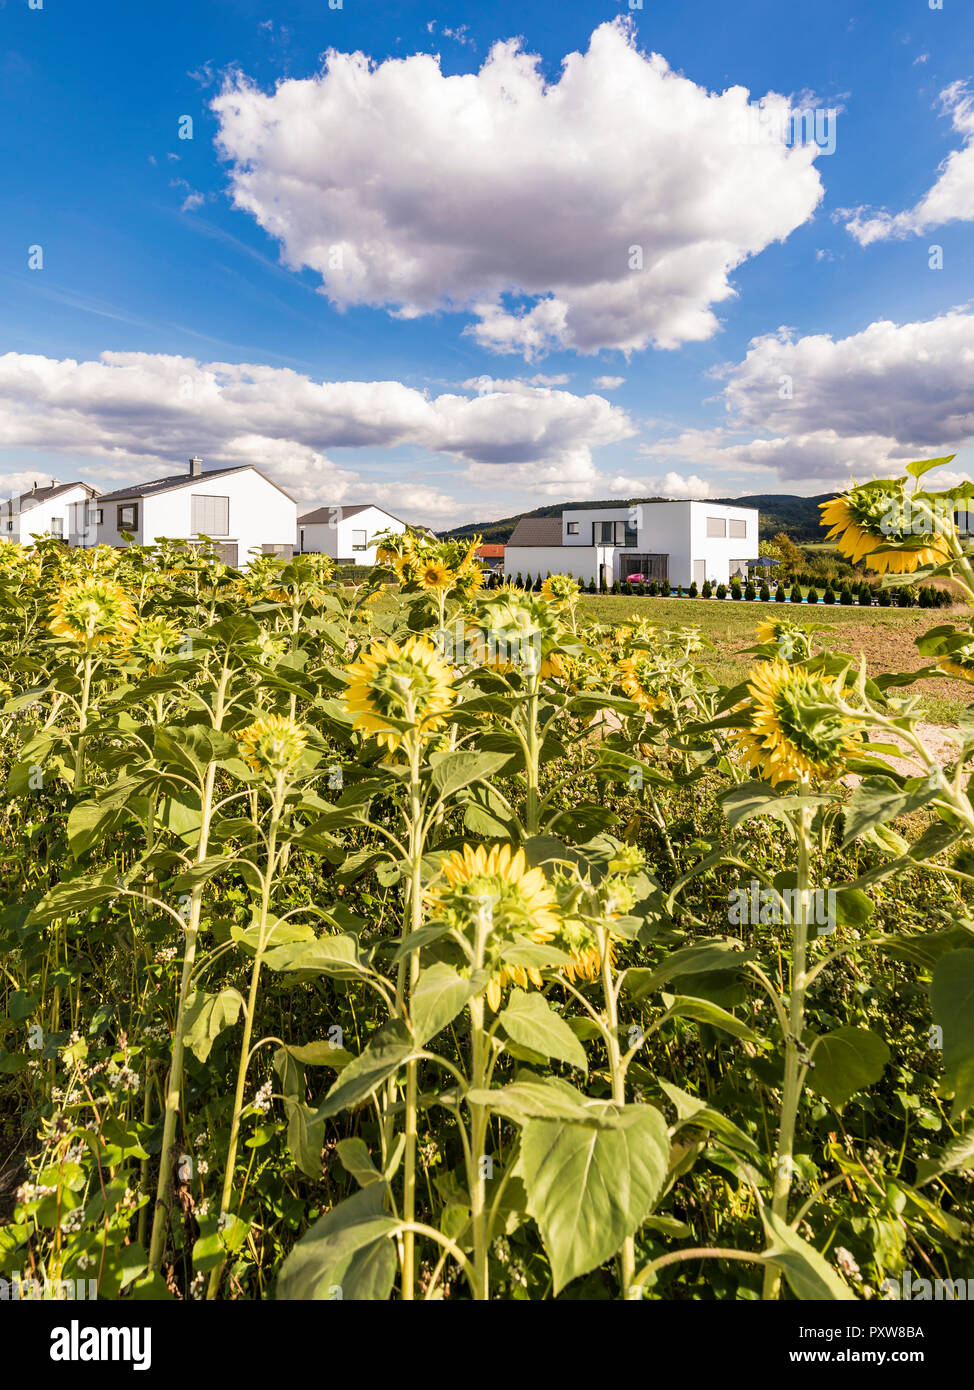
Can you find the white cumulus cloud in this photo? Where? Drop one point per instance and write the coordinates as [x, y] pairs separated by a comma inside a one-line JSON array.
[[951, 199], [530, 204], [142, 414], [817, 410]]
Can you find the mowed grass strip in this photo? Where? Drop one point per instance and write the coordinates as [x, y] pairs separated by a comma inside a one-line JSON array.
[[885, 636]]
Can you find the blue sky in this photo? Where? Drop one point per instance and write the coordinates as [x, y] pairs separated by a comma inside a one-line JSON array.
[[785, 330]]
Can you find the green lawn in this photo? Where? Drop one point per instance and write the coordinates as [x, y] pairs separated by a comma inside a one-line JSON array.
[[885, 635]]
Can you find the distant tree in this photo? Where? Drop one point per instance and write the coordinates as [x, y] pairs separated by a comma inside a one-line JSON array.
[[790, 556]]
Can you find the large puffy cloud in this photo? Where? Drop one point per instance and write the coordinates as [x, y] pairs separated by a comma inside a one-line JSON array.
[[410, 190], [141, 412], [951, 199], [816, 409]]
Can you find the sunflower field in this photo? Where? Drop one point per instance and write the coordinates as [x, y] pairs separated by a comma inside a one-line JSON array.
[[405, 940]]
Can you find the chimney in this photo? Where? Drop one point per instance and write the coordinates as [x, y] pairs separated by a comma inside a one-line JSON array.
[[195, 467], [33, 486]]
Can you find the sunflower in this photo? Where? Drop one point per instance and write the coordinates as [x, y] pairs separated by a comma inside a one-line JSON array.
[[796, 727], [92, 612], [408, 684], [580, 942], [792, 640], [871, 521], [272, 744], [432, 575], [560, 590], [959, 661], [516, 631], [154, 640], [642, 681], [518, 901]]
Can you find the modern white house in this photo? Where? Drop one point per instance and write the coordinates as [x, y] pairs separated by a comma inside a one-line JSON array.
[[347, 534], [238, 508], [44, 511], [682, 542]]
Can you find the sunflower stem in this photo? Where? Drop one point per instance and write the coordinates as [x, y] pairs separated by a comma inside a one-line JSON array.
[[794, 1070]]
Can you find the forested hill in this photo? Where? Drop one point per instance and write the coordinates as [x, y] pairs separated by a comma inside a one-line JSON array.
[[780, 511]]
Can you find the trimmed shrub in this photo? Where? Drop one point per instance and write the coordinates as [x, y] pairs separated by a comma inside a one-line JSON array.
[[692, 591], [519, 581], [812, 595], [765, 593], [829, 594], [796, 593], [653, 588], [721, 590], [707, 589], [749, 590], [591, 586], [779, 594], [845, 596], [884, 598], [664, 588], [865, 595], [628, 589], [641, 590], [905, 597]]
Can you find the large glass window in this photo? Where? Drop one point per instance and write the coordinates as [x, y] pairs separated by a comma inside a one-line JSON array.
[[127, 517], [614, 533], [360, 540]]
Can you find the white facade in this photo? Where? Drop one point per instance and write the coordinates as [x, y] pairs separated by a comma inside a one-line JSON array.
[[347, 534], [682, 542], [239, 509], [30, 515]]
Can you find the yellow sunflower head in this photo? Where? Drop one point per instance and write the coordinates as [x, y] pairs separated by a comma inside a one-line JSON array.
[[793, 641], [796, 725], [391, 686], [92, 612], [561, 590], [155, 640], [272, 745], [432, 575], [494, 890], [881, 523], [517, 631], [642, 680], [957, 656]]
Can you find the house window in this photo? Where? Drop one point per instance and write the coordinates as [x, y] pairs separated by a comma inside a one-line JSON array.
[[99, 515], [211, 515], [286, 550], [738, 530], [360, 540], [10, 526], [614, 533], [128, 517], [57, 526], [716, 526], [572, 528], [649, 566]]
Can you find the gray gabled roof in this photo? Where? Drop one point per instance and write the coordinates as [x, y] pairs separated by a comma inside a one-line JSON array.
[[36, 496], [322, 516], [537, 530], [150, 489]]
